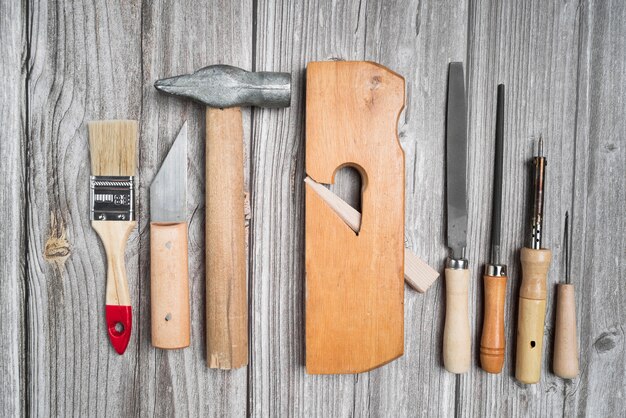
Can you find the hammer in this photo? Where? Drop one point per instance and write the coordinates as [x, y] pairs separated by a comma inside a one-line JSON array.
[[223, 89]]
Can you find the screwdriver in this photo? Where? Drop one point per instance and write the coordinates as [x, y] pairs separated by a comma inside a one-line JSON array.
[[565, 360], [532, 299], [493, 339]]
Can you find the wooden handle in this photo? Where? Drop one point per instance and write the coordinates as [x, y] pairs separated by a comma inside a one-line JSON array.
[[456, 333], [169, 285], [114, 235], [532, 314], [565, 360], [226, 299], [493, 340]]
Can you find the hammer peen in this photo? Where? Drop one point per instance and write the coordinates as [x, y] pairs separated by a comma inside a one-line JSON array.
[[223, 89]]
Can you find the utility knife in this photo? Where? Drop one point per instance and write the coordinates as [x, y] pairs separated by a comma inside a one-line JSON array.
[[169, 283]]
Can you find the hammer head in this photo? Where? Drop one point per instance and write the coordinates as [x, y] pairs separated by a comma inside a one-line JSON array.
[[223, 86]]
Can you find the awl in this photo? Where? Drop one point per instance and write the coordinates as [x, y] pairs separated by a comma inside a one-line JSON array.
[[456, 333], [565, 359], [532, 296], [169, 283]]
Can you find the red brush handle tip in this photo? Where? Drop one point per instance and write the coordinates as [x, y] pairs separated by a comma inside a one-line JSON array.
[[119, 324]]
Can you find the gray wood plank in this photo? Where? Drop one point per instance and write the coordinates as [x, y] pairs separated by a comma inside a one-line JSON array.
[[85, 65], [219, 32], [599, 239], [416, 40], [12, 207]]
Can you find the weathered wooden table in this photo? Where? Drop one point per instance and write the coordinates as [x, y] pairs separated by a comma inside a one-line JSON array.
[[65, 63]]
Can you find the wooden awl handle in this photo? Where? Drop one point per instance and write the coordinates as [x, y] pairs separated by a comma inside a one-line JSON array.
[[456, 332], [493, 339], [226, 299], [169, 285], [565, 360], [532, 314]]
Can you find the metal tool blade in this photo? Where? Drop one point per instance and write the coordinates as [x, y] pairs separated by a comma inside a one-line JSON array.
[[456, 157], [168, 191], [496, 218]]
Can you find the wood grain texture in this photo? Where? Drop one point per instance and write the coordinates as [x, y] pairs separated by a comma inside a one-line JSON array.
[[75, 76], [170, 324], [354, 282], [226, 298], [64, 63], [14, 150], [599, 195]]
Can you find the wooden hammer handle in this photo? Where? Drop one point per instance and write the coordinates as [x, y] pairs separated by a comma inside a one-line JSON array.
[[226, 298]]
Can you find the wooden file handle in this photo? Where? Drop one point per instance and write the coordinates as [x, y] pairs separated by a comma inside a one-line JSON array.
[[226, 299], [114, 235], [456, 332], [169, 285], [493, 340], [565, 360], [532, 314]]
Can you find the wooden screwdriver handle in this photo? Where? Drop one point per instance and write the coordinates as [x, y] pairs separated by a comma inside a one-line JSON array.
[[565, 360], [169, 285], [226, 299], [493, 339], [456, 332], [532, 314]]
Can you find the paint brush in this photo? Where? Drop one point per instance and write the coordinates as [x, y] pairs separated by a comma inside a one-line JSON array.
[[113, 153]]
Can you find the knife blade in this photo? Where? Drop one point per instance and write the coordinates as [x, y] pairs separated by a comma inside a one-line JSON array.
[[169, 283], [168, 191], [456, 338]]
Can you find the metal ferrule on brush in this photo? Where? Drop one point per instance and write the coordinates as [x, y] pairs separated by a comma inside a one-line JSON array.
[[112, 198]]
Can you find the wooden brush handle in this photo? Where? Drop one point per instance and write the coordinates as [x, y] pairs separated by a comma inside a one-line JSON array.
[[532, 314], [456, 332], [169, 285], [565, 360], [114, 235], [493, 340], [226, 300]]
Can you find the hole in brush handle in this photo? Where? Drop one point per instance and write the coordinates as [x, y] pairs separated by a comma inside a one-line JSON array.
[[119, 326]]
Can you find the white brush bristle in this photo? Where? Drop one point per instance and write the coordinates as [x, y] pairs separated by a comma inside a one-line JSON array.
[[113, 147]]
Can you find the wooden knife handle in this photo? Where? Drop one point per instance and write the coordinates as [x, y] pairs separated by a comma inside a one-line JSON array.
[[532, 314], [493, 339], [226, 299], [169, 285], [565, 360], [114, 235], [456, 332]]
